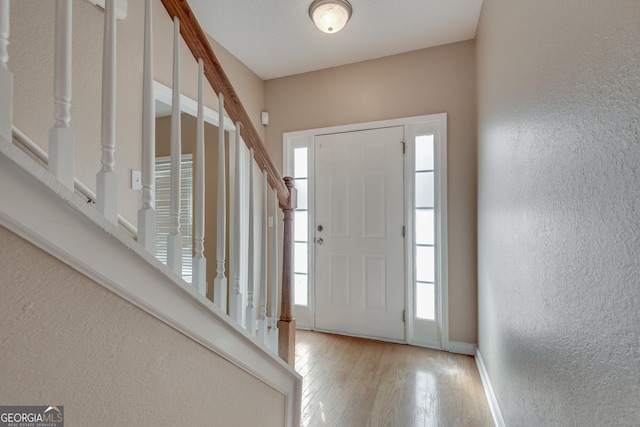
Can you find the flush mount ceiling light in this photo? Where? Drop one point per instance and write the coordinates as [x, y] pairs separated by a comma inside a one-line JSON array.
[[330, 16]]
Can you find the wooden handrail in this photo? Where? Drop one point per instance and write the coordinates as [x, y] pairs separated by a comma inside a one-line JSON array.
[[199, 45]]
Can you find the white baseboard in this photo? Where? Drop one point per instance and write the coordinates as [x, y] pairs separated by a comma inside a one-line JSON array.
[[488, 390], [462, 348]]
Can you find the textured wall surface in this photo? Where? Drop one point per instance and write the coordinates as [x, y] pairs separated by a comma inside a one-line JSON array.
[[427, 81], [559, 210], [68, 341]]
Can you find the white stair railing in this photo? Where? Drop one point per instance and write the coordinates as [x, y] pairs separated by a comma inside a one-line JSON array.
[[273, 320], [61, 146], [61, 165], [174, 239], [44, 221], [107, 180], [251, 307], [147, 213], [34, 150], [235, 298], [220, 282], [262, 321], [199, 266]]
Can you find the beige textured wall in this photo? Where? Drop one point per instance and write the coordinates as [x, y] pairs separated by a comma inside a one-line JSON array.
[[436, 80], [558, 210], [68, 341], [31, 62], [248, 86]]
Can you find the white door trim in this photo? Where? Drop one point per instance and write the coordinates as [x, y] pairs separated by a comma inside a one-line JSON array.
[[305, 138]]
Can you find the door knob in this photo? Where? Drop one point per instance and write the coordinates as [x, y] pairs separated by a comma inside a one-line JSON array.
[[319, 241]]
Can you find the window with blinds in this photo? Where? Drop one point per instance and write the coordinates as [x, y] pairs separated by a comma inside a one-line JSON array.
[[163, 210]]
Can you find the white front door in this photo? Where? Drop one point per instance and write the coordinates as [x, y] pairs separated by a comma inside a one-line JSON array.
[[359, 227]]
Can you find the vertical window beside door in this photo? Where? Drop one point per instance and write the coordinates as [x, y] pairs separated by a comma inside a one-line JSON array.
[[425, 244], [301, 228]]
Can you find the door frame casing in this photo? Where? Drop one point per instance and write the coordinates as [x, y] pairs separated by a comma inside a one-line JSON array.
[[305, 316]]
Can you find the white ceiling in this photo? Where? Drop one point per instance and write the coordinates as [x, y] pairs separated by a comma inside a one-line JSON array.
[[276, 38]]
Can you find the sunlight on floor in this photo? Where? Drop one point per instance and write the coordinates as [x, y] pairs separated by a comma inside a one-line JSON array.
[[352, 382]]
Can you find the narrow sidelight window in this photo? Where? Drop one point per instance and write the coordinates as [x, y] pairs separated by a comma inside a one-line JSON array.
[[301, 228], [425, 244]]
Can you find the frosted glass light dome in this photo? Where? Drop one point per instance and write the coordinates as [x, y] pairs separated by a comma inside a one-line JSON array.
[[330, 16]]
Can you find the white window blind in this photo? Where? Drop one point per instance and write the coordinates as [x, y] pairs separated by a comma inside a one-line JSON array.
[[163, 210]]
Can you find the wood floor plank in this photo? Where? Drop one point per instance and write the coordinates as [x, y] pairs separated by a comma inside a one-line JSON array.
[[353, 382]]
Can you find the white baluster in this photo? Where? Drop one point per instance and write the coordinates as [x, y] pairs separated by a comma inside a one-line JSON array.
[[220, 282], [61, 147], [262, 321], [174, 239], [147, 213], [251, 308], [235, 299], [6, 78], [199, 261], [273, 320], [107, 181]]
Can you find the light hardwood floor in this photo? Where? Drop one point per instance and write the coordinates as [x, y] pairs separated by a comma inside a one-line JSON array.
[[353, 382]]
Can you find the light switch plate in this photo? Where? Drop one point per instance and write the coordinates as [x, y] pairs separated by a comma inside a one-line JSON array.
[[136, 180]]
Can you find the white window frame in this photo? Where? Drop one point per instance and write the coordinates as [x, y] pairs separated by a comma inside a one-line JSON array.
[[419, 329], [296, 242], [304, 315]]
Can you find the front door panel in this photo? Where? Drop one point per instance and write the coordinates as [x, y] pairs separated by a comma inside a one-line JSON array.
[[360, 283]]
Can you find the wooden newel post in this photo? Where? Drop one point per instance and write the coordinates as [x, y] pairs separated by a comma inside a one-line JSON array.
[[287, 324]]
